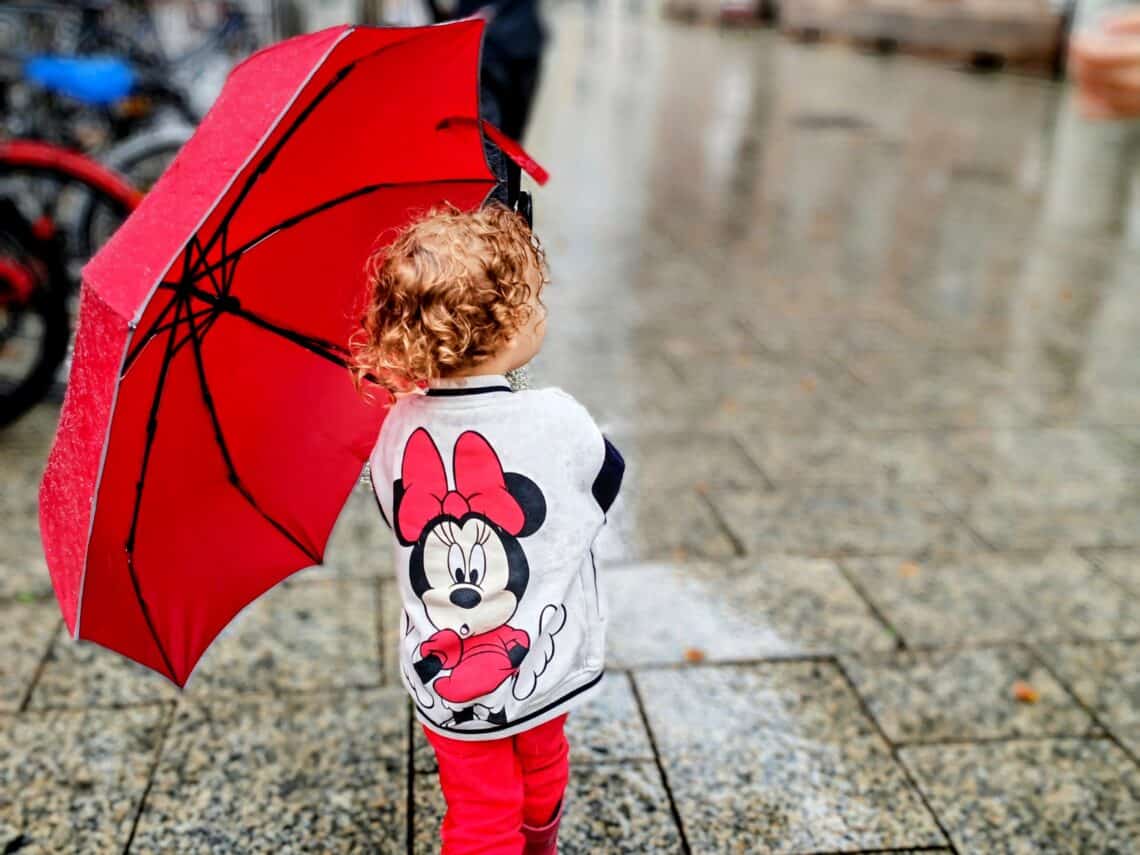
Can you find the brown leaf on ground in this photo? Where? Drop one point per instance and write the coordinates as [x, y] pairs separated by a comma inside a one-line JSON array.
[[694, 654], [908, 569], [729, 405], [702, 487], [680, 553], [1025, 693], [808, 383]]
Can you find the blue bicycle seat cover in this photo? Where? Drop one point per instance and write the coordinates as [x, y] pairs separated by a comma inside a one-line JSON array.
[[95, 80]]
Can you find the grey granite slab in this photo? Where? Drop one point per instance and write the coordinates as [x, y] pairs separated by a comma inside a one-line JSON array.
[[964, 695], [296, 637], [1065, 596], [319, 771], [1105, 676], [26, 630], [652, 524], [978, 597], [1065, 795], [610, 807], [360, 546], [847, 457], [744, 609], [1023, 516], [1046, 455], [608, 728], [841, 519], [1121, 565], [782, 756], [672, 462], [24, 447], [72, 780], [925, 403]]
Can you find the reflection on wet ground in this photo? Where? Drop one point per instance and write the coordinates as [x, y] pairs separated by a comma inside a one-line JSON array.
[[878, 382]]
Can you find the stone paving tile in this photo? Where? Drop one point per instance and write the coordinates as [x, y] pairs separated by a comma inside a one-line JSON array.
[[296, 637], [606, 729], [940, 601], [360, 545], [1046, 455], [963, 695], [610, 807], [745, 609], [677, 524], [26, 630], [24, 447], [846, 457], [1123, 566], [677, 461], [780, 756], [842, 519], [1032, 796], [295, 773], [1065, 596], [1106, 677], [1024, 516], [81, 673], [72, 780]]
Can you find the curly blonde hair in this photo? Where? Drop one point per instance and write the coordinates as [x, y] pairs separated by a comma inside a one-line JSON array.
[[445, 295]]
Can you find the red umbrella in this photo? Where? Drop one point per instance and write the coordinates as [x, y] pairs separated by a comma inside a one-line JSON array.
[[211, 434]]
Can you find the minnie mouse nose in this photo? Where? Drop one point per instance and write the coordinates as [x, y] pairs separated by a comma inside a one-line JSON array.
[[465, 598]]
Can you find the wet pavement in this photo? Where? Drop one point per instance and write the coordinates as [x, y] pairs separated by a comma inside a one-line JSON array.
[[878, 381]]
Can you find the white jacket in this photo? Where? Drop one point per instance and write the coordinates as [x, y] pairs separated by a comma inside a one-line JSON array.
[[495, 499]]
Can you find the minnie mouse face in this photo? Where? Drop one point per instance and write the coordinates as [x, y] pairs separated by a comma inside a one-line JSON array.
[[467, 566], [468, 577]]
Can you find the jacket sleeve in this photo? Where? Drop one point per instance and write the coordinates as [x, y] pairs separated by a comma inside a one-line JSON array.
[[609, 477]]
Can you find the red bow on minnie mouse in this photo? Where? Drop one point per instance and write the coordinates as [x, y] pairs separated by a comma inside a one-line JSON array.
[[480, 486]]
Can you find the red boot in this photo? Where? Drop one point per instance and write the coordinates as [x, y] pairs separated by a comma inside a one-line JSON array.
[[544, 839]]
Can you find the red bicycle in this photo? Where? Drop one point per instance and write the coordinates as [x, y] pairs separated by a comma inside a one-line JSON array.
[[56, 207]]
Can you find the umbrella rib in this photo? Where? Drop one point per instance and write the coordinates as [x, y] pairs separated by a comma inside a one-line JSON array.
[[151, 431], [331, 351], [219, 437], [199, 273], [267, 161], [146, 337], [300, 119]]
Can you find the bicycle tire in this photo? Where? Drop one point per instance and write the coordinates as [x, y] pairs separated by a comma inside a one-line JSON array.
[[49, 303]]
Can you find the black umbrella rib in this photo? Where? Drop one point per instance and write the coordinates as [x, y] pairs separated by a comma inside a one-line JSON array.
[[198, 273], [271, 155], [299, 120], [219, 438], [153, 330], [148, 447], [331, 351]]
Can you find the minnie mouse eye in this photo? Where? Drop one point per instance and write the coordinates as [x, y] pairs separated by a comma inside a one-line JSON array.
[[455, 563], [478, 563]]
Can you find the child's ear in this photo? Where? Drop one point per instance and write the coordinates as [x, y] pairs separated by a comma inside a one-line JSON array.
[[530, 499], [397, 498]]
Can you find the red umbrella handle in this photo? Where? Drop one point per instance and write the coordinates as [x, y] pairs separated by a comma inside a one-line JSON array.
[[510, 147]]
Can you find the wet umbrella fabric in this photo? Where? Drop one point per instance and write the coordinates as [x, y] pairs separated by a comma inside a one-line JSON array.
[[210, 434]]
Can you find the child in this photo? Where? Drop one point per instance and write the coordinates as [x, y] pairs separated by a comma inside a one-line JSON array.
[[495, 499]]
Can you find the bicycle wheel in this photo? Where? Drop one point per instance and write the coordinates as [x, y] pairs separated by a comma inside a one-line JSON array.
[[35, 326]]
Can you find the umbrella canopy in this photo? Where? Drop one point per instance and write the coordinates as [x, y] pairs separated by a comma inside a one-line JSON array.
[[211, 435]]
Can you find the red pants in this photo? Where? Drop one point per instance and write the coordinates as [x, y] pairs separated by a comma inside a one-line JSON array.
[[494, 786]]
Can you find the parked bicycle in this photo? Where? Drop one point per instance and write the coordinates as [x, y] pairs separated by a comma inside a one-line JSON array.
[[41, 252]]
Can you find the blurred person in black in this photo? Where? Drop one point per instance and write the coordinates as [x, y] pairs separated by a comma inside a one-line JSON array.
[[508, 77], [512, 56]]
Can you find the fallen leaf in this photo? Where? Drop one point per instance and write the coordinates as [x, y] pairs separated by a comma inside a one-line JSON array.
[[1066, 295], [1025, 693], [808, 384], [728, 405], [680, 553], [908, 569], [702, 487], [694, 654]]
